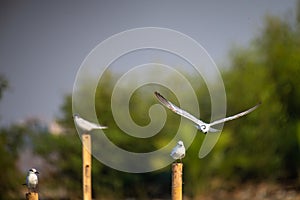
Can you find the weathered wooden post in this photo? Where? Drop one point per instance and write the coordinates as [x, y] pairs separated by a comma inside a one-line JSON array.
[[32, 196], [86, 166], [177, 181]]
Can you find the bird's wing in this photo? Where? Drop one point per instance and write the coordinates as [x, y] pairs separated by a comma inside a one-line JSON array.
[[83, 123], [175, 153], [177, 110], [235, 116]]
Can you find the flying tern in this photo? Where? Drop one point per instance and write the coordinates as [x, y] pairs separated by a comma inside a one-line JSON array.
[[202, 126], [178, 151], [86, 125]]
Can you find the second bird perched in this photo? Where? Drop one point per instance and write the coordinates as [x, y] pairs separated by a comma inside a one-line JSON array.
[[202, 126], [86, 125], [178, 151]]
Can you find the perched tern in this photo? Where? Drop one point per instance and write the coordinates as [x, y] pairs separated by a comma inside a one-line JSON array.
[[178, 151], [86, 125], [32, 179], [202, 126]]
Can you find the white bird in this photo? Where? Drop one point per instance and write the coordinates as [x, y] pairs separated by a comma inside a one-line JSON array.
[[32, 179], [86, 125], [202, 126], [178, 151]]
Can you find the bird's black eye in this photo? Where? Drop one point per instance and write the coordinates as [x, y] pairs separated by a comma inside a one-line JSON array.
[[203, 127]]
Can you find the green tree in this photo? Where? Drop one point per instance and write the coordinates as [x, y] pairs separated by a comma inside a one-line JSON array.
[[11, 180], [268, 71], [11, 140], [62, 153]]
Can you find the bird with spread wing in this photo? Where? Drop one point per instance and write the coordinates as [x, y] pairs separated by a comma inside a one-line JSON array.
[[202, 126]]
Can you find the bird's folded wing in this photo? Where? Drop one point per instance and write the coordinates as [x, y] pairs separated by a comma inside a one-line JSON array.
[[234, 116], [83, 123], [175, 154]]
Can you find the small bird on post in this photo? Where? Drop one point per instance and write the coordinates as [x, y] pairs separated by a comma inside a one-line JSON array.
[[85, 125], [178, 151], [32, 180]]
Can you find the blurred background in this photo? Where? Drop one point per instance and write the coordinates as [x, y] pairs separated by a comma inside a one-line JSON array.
[[256, 46]]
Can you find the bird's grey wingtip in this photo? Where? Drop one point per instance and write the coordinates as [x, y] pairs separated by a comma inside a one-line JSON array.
[[157, 93], [159, 96]]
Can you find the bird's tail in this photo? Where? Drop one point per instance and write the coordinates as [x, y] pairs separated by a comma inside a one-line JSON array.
[[213, 130], [102, 127]]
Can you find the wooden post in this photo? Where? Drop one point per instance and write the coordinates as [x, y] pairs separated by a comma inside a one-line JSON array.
[[86, 166], [32, 196], [177, 181]]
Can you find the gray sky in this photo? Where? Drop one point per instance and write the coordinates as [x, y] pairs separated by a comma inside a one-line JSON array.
[[43, 43]]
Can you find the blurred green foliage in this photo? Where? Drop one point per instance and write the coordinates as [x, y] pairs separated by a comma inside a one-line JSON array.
[[268, 71], [10, 144], [264, 145], [11, 179]]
